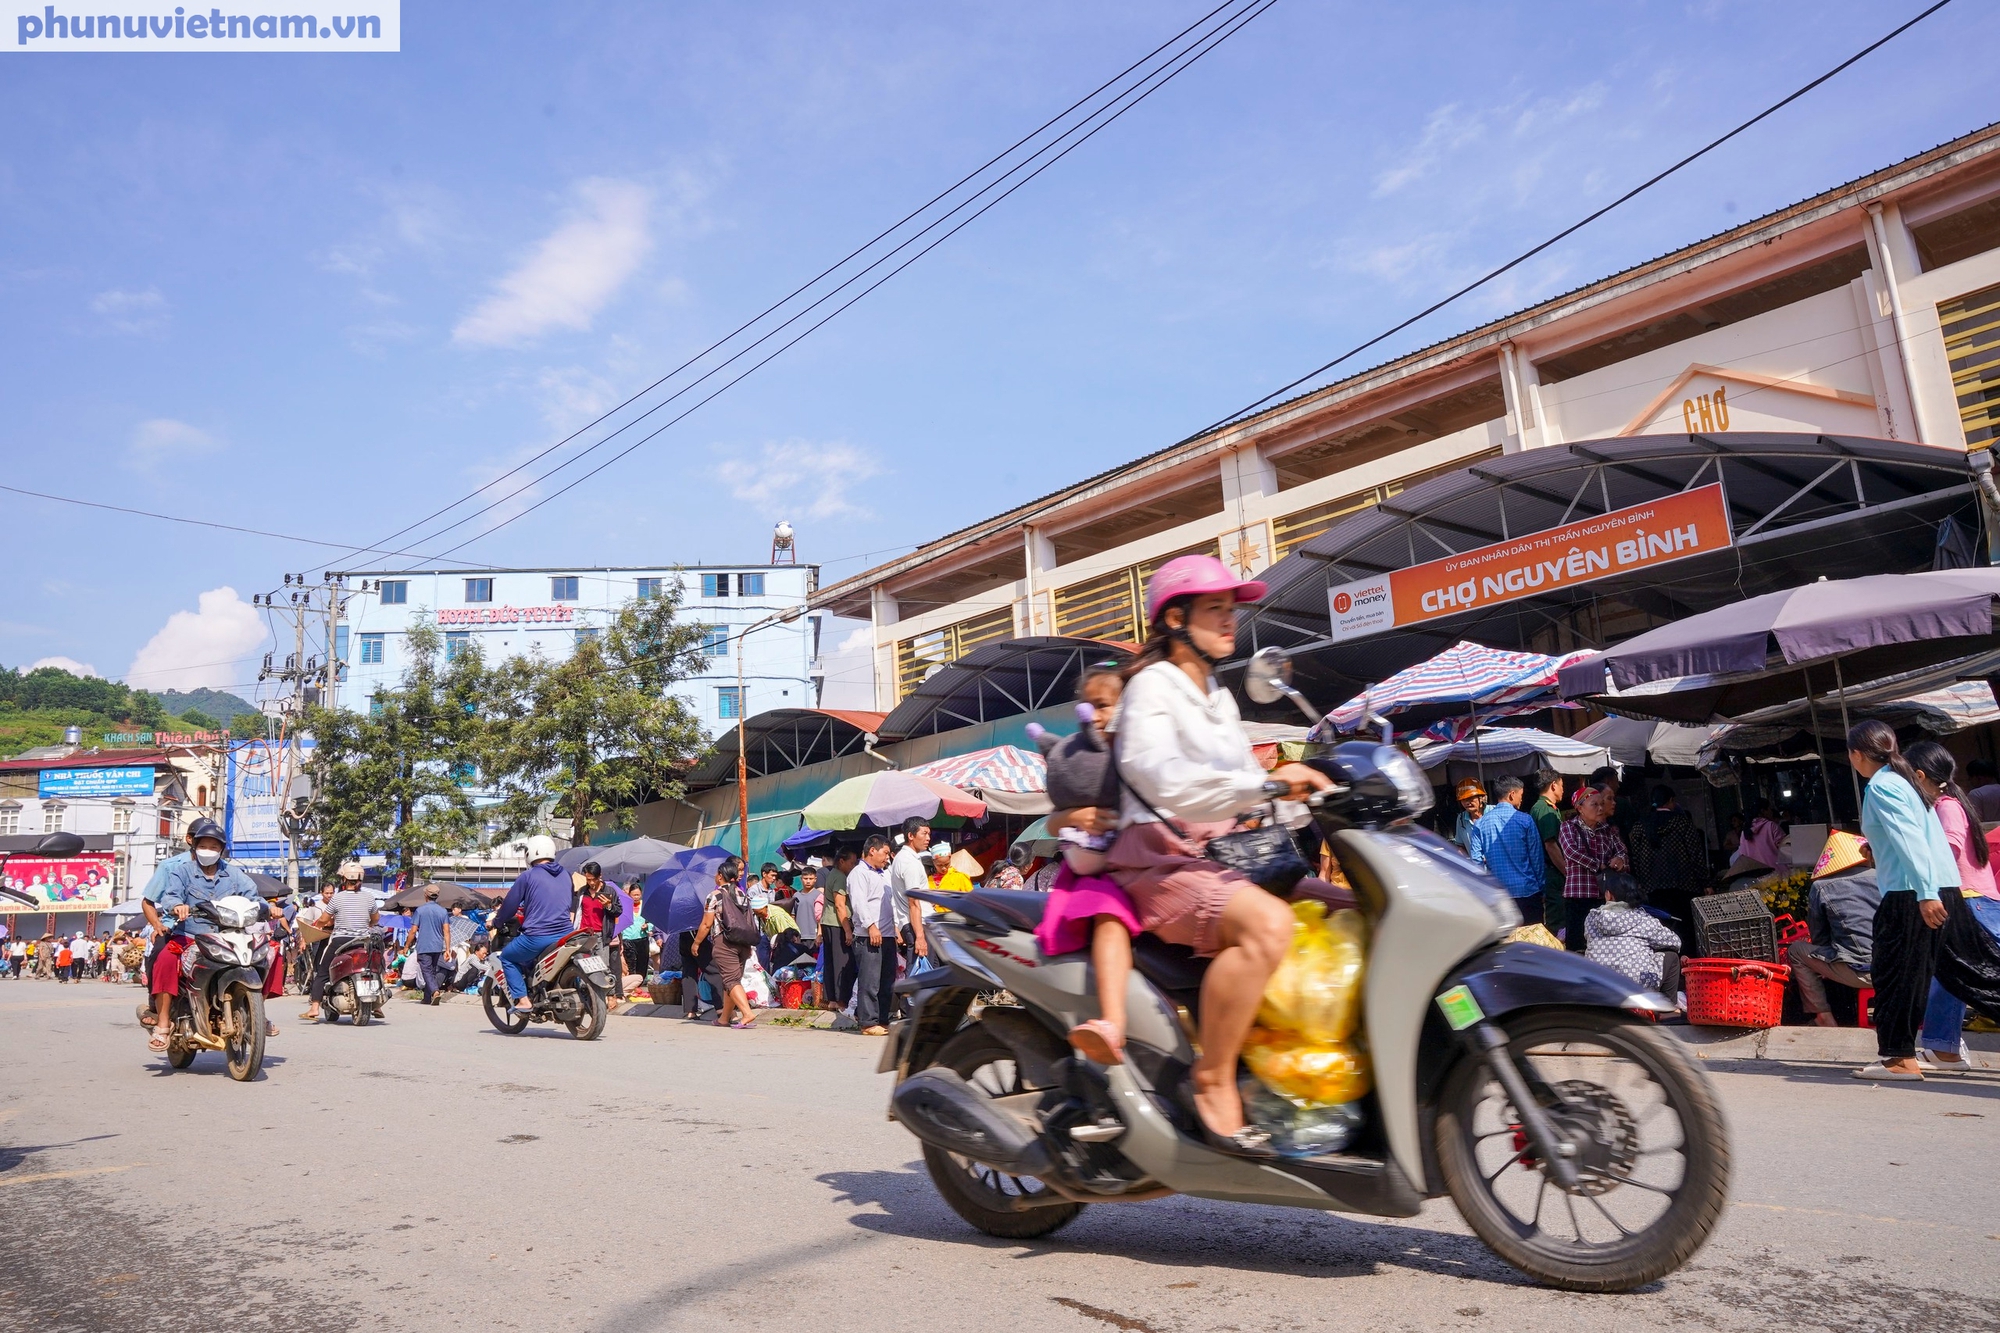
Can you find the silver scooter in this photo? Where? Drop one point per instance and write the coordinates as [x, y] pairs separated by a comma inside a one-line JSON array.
[[1532, 1086]]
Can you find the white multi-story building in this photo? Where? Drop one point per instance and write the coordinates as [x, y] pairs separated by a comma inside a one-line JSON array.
[[509, 612]]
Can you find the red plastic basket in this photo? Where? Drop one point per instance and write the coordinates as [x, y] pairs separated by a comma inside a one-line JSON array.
[[792, 994], [1735, 992]]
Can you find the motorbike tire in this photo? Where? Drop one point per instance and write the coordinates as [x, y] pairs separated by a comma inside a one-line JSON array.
[[327, 1013], [180, 1057], [499, 1012], [964, 1186], [1634, 1258], [246, 1056], [596, 1013], [364, 1014]]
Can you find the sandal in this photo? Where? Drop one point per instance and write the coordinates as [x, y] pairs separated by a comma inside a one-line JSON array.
[[270, 1029], [1098, 1041], [158, 1042], [1881, 1073]]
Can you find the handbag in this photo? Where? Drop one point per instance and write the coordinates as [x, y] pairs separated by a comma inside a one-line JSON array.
[[1265, 855]]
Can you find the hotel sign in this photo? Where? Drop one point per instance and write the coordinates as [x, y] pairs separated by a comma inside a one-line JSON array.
[[1689, 523], [505, 615]]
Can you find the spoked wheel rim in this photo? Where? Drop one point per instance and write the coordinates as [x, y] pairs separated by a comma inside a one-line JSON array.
[[245, 1049], [499, 1010], [999, 1077], [1651, 1167]]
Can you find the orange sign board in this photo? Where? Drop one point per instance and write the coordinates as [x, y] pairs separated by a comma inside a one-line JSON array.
[[1689, 523]]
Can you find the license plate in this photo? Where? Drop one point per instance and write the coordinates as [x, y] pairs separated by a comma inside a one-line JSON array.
[[366, 987], [592, 964]]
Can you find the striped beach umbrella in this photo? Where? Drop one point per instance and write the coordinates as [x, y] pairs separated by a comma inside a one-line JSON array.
[[1466, 674], [888, 798]]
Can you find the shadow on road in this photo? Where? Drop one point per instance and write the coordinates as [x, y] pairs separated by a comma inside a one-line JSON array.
[[13, 1157]]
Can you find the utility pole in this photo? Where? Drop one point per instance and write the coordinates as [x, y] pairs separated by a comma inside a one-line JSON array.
[[308, 678]]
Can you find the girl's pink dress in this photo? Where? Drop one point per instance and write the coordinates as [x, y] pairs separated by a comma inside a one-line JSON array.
[[1074, 901]]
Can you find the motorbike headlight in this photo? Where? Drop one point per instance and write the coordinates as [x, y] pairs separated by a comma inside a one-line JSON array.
[[1413, 789]]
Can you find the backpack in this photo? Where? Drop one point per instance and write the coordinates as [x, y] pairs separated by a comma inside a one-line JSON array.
[[739, 928], [1080, 769]]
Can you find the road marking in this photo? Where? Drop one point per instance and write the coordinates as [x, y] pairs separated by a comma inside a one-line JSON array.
[[67, 1175]]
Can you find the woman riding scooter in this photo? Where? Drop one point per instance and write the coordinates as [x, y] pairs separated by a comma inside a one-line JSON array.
[[1183, 755]]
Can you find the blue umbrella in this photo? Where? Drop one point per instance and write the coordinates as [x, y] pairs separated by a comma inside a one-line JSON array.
[[684, 884]]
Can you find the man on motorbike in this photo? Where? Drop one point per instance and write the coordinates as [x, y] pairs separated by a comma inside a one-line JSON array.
[[540, 899], [181, 884], [354, 913]]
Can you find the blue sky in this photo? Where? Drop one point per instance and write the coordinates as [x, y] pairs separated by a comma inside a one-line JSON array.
[[325, 294]]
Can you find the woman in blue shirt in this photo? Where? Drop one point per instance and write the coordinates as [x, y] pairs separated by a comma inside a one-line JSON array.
[[1906, 841]]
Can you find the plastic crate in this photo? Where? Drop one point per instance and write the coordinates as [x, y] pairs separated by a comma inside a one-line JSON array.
[[1735, 925], [1735, 992]]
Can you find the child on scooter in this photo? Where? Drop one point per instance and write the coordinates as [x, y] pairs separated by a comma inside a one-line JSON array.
[[1086, 907]]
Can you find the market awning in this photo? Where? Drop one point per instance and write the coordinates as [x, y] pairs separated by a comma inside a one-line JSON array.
[[783, 739], [1496, 750], [1011, 780], [1798, 506], [996, 680]]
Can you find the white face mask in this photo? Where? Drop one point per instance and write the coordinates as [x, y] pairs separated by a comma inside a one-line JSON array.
[[207, 856]]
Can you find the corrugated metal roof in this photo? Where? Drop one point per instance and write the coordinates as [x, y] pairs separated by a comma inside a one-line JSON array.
[[1985, 139]]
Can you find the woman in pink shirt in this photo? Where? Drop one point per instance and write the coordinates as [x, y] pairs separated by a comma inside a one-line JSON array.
[[1968, 959]]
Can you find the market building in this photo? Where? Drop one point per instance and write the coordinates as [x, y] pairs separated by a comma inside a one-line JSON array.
[[506, 612], [1837, 356], [127, 805]]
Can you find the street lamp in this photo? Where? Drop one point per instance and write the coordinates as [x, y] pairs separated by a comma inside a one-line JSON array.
[[783, 617]]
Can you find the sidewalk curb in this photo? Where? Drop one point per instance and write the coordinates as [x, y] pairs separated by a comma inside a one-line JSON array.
[[1854, 1046]]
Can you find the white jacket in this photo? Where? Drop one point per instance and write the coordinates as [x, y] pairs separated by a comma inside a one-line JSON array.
[[1183, 750]]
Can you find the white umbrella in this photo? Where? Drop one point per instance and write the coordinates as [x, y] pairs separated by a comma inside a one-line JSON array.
[[1502, 747], [1634, 740]]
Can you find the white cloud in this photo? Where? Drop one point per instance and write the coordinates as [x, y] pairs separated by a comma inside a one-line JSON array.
[[571, 396], [795, 477], [131, 312], [205, 646], [575, 270], [69, 664], [162, 440], [1446, 130]]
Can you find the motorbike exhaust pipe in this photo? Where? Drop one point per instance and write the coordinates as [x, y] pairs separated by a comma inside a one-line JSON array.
[[945, 1111]]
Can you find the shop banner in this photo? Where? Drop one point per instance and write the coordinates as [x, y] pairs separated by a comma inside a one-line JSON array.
[[1690, 523], [81, 782], [70, 884], [260, 774]]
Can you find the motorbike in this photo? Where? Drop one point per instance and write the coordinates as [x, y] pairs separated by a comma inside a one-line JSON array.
[[355, 983], [568, 984], [1530, 1085], [221, 1002]]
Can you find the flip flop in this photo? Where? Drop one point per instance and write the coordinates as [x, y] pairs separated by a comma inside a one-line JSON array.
[[1881, 1073], [1097, 1041], [270, 1029]]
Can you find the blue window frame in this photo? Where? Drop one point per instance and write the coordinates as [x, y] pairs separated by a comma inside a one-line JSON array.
[[395, 592], [728, 702], [479, 590], [715, 585], [715, 640], [374, 706], [584, 636], [749, 585], [372, 649], [456, 645], [652, 588], [562, 588]]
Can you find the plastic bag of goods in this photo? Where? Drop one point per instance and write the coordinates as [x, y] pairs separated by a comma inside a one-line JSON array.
[[1319, 1073], [757, 984], [1316, 991], [1535, 934], [1298, 1130]]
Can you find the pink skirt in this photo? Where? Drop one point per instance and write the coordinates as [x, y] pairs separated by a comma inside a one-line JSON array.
[[1179, 892], [1075, 902]]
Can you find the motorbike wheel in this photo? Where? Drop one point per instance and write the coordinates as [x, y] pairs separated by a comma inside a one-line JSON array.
[[596, 1013], [180, 1057], [1654, 1163], [998, 1204], [499, 1012], [245, 1051], [327, 1013], [364, 1014]]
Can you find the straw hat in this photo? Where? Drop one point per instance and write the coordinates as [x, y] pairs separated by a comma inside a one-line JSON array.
[[961, 861], [1843, 851], [1470, 787]]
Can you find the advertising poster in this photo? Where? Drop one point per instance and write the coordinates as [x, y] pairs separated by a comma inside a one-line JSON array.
[[260, 773], [80, 883], [1620, 542], [85, 782]]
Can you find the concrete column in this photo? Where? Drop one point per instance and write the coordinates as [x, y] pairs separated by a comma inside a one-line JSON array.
[[883, 613], [1249, 485], [1036, 617], [1521, 415], [1895, 257]]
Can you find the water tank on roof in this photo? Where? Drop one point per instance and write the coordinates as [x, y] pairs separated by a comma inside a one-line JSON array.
[[72, 735]]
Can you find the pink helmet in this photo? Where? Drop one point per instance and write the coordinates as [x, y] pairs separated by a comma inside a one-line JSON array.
[[1192, 575]]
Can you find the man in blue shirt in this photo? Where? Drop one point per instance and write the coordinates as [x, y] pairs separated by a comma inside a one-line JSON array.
[[430, 924], [181, 884], [540, 898], [1509, 845]]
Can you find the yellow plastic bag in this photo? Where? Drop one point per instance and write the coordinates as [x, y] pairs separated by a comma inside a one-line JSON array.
[[1535, 934], [1321, 1073], [1316, 991]]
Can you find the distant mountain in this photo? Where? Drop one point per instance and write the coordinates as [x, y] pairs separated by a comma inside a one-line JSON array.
[[218, 704]]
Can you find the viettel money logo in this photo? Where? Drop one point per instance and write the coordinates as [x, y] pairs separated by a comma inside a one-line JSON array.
[[1342, 603]]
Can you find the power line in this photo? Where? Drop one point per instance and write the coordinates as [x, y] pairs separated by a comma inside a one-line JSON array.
[[1570, 230], [1158, 80]]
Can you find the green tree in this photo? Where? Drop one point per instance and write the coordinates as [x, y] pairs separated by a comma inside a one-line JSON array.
[[598, 731], [395, 779]]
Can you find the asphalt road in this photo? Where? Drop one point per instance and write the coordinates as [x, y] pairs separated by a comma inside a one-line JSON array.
[[430, 1173]]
